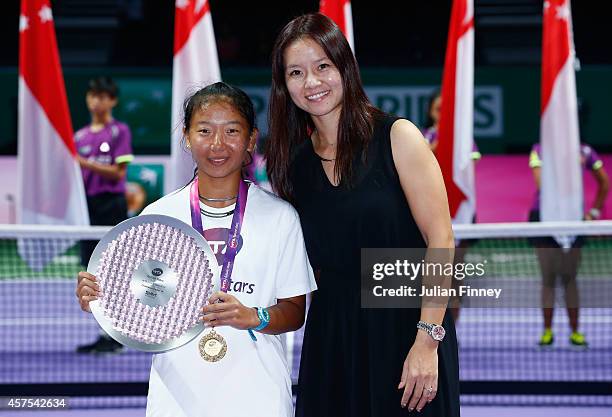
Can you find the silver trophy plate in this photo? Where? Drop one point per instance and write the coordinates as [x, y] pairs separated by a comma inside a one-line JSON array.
[[155, 275]]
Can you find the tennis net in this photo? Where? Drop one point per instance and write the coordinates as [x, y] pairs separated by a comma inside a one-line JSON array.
[[500, 357], [501, 360]]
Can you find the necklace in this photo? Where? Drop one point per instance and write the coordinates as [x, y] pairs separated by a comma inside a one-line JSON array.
[[217, 200], [216, 215], [319, 156], [325, 159]]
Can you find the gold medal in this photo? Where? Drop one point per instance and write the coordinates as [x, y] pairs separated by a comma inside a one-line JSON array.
[[213, 347]]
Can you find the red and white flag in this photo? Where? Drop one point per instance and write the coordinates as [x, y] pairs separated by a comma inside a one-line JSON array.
[[561, 176], [50, 181], [456, 130], [340, 12], [196, 65]]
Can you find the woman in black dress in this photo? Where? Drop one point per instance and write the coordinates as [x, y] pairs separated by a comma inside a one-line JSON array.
[[359, 179]]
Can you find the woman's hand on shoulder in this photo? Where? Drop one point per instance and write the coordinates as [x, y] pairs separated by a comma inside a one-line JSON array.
[[226, 310]]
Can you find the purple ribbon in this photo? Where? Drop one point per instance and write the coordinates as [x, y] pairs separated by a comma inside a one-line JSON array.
[[231, 246]]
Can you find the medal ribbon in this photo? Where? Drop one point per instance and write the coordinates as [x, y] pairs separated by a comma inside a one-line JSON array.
[[231, 245]]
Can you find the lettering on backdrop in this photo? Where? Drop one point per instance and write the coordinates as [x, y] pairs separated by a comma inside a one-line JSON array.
[[411, 102]]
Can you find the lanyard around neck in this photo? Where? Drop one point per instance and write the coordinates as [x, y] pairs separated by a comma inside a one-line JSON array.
[[231, 245]]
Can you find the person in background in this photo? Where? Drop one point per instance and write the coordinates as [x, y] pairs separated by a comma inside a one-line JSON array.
[[104, 150], [430, 133], [430, 130], [136, 197], [256, 170], [553, 260]]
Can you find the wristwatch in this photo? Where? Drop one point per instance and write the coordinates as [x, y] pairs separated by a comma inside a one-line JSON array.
[[436, 332], [264, 320]]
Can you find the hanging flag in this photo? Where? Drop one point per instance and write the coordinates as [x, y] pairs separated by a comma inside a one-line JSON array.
[[340, 12], [195, 65], [456, 129], [50, 184], [561, 176]]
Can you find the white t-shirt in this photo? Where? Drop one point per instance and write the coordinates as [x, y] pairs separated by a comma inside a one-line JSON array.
[[253, 379]]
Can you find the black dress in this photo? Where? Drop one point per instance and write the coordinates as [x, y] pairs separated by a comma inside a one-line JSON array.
[[352, 358]]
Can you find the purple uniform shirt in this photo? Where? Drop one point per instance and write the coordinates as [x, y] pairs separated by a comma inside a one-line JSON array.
[[431, 135], [111, 145], [588, 159]]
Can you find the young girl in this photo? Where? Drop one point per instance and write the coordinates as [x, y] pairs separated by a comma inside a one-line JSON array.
[[271, 270], [552, 259], [430, 130], [359, 178]]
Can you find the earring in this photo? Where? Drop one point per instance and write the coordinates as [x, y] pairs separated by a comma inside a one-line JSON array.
[[188, 145]]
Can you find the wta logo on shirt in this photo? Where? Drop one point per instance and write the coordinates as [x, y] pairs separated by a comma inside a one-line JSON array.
[[217, 239]]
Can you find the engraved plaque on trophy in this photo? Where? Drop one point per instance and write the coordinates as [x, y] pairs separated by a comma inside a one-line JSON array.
[[155, 275]]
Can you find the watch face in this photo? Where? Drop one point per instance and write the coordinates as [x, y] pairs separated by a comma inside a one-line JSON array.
[[438, 333]]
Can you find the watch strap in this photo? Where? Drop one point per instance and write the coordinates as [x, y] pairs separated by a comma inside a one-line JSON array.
[[425, 326], [429, 328]]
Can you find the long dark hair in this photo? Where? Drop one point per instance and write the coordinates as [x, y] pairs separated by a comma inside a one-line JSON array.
[[289, 125], [429, 121]]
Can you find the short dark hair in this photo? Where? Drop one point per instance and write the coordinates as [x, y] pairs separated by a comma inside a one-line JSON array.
[[101, 85], [220, 91]]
